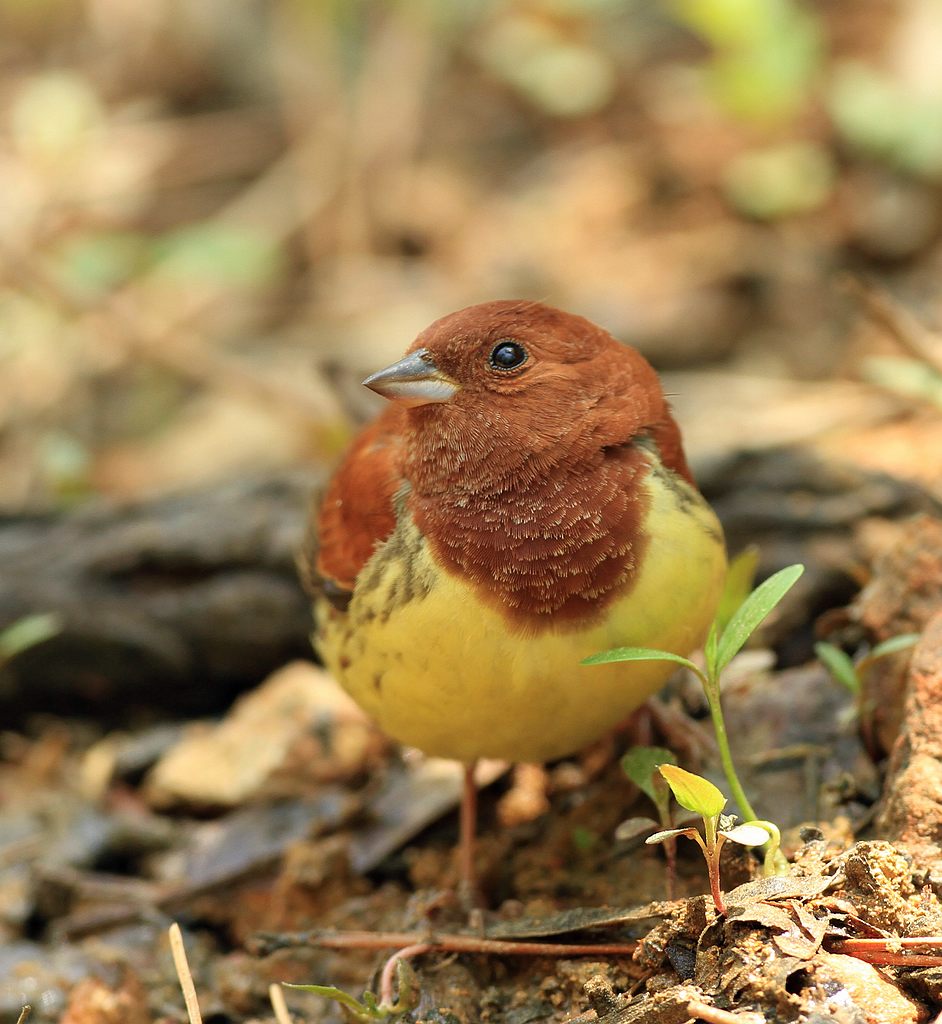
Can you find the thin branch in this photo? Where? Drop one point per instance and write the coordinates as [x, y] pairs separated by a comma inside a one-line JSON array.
[[183, 973], [276, 995], [890, 952], [714, 1015]]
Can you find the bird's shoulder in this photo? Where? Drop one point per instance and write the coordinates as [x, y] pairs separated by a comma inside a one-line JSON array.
[[357, 511]]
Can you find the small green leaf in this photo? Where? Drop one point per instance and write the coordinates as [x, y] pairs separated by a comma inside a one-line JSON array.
[[693, 792], [358, 1010], [838, 664], [747, 835], [409, 990], [672, 833], [640, 764], [28, 632], [637, 654], [752, 611], [740, 579], [895, 643]]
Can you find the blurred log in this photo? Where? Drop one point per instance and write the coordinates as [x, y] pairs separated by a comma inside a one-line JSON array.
[[798, 506], [174, 604]]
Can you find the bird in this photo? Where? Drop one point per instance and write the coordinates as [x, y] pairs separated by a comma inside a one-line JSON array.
[[523, 501]]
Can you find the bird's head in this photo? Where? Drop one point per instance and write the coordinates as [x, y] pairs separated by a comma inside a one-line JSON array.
[[511, 381]]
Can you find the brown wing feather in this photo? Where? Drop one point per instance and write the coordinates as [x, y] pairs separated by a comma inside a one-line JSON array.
[[666, 435], [357, 511]]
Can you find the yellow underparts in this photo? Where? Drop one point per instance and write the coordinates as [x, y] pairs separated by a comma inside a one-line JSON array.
[[440, 670]]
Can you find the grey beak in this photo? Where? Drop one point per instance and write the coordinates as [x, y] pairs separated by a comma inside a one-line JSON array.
[[413, 380]]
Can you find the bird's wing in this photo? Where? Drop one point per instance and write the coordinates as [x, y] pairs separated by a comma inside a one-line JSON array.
[[666, 435], [357, 511]]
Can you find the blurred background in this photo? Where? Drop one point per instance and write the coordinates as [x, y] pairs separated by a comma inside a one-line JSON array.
[[216, 217]]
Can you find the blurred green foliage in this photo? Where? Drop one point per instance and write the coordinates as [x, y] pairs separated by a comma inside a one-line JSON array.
[[883, 119], [291, 182], [218, 253], [766, 54]]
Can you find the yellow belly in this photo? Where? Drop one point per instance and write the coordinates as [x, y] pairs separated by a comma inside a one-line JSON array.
[[439, 670]]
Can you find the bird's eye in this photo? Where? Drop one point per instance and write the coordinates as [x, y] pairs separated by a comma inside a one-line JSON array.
[[508, 355]]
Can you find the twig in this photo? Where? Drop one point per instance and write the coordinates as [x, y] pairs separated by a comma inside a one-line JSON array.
[[268, 943], [276, 995], [888, 959], [180, 962], [890, 952], [24, 1013], [714, 1015], [913, 942]]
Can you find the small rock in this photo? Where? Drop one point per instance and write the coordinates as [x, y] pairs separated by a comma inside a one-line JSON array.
[[34, 975], [860, 990], [92, 1001], [252, 838], [228, 764]]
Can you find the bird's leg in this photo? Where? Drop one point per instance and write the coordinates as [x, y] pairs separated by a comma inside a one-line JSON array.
[[468, 882]]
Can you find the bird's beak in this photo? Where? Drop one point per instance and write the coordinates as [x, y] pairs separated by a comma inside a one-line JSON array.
[[414, 380]]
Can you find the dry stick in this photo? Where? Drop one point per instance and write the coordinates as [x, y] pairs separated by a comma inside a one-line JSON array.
[[889, 951], [276, 995], [24, 1013], [178, 952], [441, 943], [888, 959], [912, 942], [714, 1015]]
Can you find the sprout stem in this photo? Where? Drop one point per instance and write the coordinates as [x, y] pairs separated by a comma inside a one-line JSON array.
[[726, 757]]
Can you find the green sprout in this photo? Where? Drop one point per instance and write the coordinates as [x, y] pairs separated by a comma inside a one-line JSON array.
[[702, 797], [367, 1008], [723, 643], [845, 670]]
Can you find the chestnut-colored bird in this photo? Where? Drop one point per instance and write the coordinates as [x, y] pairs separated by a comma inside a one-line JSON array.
[[523, 502]]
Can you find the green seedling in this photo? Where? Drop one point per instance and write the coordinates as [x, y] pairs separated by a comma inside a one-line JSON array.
[[722, 645], [641, 764], [702, 797], [367, 1008], [850, 673]]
